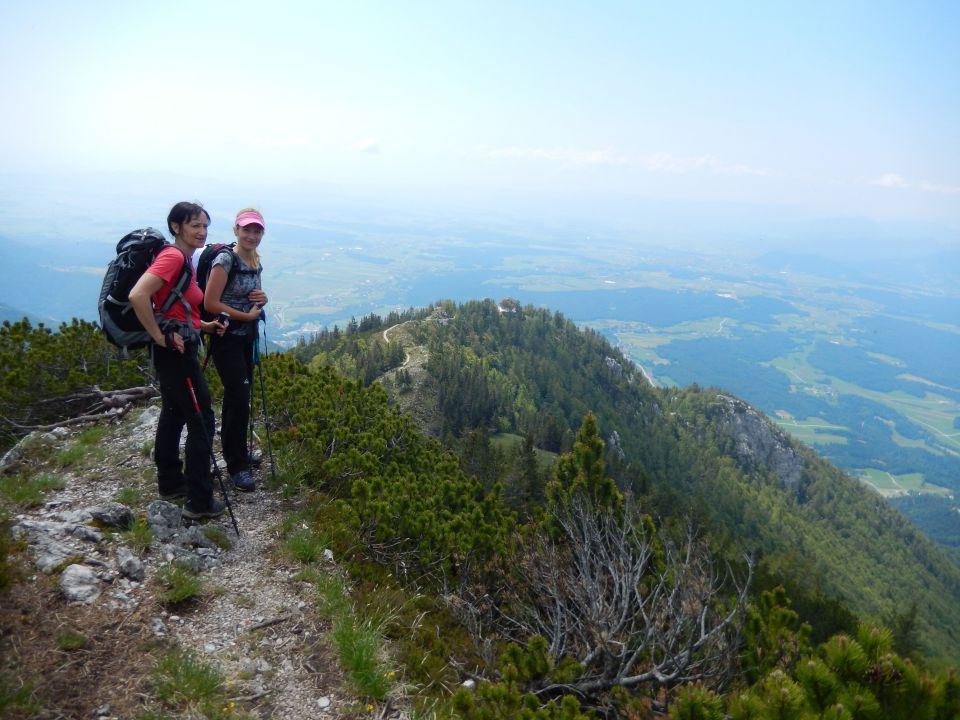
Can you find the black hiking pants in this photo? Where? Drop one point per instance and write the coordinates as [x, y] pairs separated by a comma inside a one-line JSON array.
[[177, 410], [233, 357]]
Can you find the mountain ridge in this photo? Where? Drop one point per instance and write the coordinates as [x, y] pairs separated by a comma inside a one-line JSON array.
[[482, 369]]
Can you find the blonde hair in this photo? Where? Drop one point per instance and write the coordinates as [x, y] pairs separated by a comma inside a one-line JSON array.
[[255, 260]]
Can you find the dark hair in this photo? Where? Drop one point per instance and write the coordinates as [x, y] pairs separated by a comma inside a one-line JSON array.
[[183, 212]]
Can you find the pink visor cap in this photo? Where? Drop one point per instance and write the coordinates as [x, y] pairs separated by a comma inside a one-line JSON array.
[[250, 217]]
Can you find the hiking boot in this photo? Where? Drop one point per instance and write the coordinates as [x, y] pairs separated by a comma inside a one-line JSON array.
[[177, 497], [243, 480], [213, 510]]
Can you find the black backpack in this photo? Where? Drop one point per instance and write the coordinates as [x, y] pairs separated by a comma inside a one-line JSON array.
[[205, 264], [135, 251]]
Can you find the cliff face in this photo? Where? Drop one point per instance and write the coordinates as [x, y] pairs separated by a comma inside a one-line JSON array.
[[757, 442]]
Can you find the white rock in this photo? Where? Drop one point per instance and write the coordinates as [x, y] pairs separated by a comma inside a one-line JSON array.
[[80, 584], [323, 703], [129, 564], [148, 418]]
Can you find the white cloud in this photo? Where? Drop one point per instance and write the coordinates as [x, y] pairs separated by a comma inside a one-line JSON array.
[[940, 189], [658, 162], [369, 145], [666, 163], [571, 155], [890, 180]]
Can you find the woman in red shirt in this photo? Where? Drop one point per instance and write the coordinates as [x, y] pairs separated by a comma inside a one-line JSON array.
[[176, 337]]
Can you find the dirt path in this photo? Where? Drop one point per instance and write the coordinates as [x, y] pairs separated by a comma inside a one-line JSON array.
[[255, 621], [386, 339]]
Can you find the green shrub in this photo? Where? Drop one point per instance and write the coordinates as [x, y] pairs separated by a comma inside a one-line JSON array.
[[37, 363], [395, 488]]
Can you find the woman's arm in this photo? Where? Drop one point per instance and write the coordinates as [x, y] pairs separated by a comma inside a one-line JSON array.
[[140, 295], [216, 282]]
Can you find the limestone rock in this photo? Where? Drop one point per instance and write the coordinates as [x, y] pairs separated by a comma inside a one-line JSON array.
[[758, 443], [113, 515], [164, 518], [52, 543], [80, 584], [130, 565]]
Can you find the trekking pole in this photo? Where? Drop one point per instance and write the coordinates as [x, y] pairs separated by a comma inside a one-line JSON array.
[[250, 433], [216, 468], [263, 316], [266, 415]]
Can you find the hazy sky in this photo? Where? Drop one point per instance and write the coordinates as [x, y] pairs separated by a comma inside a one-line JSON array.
[[836, 108]]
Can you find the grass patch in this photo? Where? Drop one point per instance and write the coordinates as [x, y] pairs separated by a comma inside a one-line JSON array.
[[290, 477], [10, 572], [245, 601], [192, 688], [70, 457], [360, 648], [178, 584], [300, 540], [29, 490], [132, 496], [147, 448], [16, 696], [332, 598], [71, 640], [359, 641], [303, 545], [93, 435], [218, 536], [139, 536]]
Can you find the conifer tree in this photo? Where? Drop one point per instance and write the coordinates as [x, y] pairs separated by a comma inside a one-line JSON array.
[[582, 471]]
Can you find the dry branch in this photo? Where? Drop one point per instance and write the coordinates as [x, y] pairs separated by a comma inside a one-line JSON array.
[[630, 608], [94, 405]]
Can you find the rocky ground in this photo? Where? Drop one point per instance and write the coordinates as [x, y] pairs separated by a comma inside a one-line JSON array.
[[255, 620]]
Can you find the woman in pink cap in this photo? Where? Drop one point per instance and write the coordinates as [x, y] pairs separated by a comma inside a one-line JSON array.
[[233, 288]]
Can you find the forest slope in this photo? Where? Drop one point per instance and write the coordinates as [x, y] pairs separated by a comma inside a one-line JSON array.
[[685, 452]]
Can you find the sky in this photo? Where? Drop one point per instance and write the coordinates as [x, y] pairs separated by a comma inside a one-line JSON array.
[[836, 109]]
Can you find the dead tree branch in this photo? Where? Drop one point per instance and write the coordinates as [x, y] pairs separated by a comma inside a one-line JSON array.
[[629, 607], [94, 405]]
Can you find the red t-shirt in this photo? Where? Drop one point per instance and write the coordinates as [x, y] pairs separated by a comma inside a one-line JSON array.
[[167, 266]]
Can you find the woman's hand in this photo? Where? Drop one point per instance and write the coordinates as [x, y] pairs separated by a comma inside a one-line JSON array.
[[214, 327], [173, 341], [257, 297]]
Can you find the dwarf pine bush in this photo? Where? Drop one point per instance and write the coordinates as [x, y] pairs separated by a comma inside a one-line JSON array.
[[395, 487]]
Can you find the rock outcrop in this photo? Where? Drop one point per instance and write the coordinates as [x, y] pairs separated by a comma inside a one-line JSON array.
[[757, 442]]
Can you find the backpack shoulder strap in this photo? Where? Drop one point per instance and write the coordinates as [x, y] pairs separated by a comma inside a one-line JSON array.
[[179, 288]]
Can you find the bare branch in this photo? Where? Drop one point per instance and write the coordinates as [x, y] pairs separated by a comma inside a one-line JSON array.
[[628, 607]]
